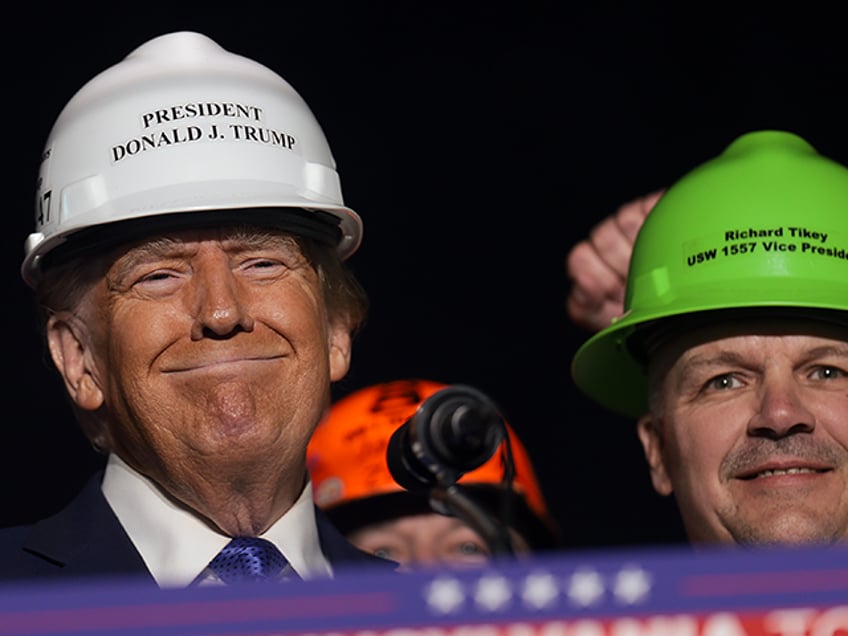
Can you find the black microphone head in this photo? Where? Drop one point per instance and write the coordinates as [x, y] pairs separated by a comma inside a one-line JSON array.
[[454, 431], [407, 469], [466, 428]]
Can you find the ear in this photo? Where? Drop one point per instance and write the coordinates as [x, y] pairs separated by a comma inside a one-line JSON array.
[[340, 348], [67, 340], [649, 429]]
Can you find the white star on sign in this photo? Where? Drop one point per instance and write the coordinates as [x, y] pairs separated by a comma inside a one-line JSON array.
[[585, 588], [492, 593], [539, 590], [632, 585], [444, 595]]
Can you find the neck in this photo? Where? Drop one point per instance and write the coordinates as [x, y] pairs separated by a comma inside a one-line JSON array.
[[237, 500]]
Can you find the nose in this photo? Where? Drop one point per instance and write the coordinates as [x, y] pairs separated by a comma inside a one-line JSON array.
[[220, 306], [782, 410]]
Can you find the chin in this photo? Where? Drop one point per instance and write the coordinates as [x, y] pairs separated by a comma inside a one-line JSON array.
[[788, 530]]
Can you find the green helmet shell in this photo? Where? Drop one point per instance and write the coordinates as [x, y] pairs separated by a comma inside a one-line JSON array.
[[764, 224]]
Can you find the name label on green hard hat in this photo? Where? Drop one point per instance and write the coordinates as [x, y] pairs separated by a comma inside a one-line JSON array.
[[798, 239]]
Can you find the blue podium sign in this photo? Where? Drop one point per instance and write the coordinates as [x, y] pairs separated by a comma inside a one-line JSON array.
[[673, 591]]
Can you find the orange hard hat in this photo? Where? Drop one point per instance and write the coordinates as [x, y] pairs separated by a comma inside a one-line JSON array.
[[347, 462]]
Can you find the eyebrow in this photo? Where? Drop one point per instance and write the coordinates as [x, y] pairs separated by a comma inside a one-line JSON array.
[[840, 351], [723, 357], [700, 361], [150, 250]]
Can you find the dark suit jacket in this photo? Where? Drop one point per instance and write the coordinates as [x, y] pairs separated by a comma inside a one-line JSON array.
[[85, 539]]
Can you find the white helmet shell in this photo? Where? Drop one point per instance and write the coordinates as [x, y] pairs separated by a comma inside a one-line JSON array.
[[183, 126]]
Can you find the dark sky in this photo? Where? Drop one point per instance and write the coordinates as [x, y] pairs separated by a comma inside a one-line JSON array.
[[477, 145]]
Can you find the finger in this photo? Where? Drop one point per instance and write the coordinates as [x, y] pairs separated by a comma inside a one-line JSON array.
[[631, 216], [612, 245], [596, 293], [592, 280], [595, 318]]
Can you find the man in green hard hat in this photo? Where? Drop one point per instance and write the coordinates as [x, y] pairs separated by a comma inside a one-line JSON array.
[[732, 350]]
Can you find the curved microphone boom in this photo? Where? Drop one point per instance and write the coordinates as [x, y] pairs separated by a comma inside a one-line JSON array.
[[455, 430]]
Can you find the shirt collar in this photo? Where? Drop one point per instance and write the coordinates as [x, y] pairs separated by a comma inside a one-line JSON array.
[[177, 545]]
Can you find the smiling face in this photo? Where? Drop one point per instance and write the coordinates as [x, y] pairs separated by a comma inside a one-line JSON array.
[[749, 430], [210, 356]]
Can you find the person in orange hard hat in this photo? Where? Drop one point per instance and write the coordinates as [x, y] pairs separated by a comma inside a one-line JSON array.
[[353, 484]]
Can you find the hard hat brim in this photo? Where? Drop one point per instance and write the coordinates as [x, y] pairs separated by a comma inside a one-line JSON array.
[[610, 370], [181, 207]]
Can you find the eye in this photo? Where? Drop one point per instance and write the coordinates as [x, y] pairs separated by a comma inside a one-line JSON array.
[[470, 548], [157, 282], [386, 553], [262, 266], [723, 382], [155, 276], [263, 263], [829, 373], [469, 551]]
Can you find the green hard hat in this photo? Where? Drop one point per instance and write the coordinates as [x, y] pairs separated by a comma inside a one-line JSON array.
[[763, 225]]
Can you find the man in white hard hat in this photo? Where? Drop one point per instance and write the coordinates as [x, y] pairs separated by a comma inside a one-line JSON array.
[[188, 255]]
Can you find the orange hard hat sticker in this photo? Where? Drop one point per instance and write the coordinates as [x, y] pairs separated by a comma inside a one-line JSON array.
[[346, 456]]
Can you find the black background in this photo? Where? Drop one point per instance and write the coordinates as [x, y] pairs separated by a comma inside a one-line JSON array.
[[478, 142]]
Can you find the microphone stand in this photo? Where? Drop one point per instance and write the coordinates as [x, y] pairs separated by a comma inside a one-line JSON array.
[[451, 500]]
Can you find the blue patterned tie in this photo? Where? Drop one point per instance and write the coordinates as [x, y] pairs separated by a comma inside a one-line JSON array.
[[246, 559]]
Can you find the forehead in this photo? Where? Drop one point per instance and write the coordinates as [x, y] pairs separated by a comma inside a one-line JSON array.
[[237, 234], [742, 333], [230, 237], [423, 526]]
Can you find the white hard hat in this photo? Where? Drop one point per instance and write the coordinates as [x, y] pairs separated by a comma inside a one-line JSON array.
[[182, 127]]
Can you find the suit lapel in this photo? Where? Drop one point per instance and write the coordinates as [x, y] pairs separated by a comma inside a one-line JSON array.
[[86, 538]]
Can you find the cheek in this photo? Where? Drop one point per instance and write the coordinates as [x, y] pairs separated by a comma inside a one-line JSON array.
[[140, 331], [832, 411], [300, 317], [137, 339], [699, 443]]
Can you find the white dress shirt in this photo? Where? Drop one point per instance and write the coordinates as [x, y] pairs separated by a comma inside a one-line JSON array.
[[177, 545]]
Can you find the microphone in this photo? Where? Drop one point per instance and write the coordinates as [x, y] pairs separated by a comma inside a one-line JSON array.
[[455, 430]]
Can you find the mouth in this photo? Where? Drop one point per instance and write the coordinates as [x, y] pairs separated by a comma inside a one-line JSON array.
[[762, 473], [220, 363]]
